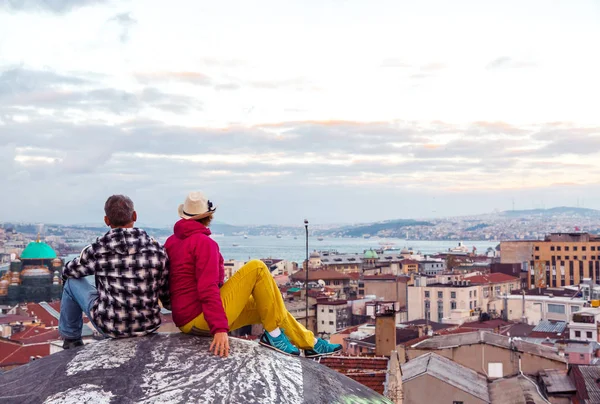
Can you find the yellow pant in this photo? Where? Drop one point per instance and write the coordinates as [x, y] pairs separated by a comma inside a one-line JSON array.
[[251, 296]]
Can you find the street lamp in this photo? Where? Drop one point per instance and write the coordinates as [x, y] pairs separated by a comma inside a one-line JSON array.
[[306, 283]]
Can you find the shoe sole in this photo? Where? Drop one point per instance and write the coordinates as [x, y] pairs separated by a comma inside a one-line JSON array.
[[277, 350], [323, 354]]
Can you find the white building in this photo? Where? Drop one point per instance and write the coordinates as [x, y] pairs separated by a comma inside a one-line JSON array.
[[333, 316], [584, 325]]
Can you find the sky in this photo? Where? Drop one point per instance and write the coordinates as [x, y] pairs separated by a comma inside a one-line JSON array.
[[338, 111]]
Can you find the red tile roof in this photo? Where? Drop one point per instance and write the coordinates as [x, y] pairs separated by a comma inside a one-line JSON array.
[[370, 372], [490, 324], [35, 310], [496, 277], [36, 335], [13, 353], [386, 277]]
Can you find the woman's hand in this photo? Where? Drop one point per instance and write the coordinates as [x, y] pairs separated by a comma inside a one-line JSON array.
[[220, 344]]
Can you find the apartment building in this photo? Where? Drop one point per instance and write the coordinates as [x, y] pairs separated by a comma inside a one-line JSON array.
[[560, 259], [438, 298], [333, 316]]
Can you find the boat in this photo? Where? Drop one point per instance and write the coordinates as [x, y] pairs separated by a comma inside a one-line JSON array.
[[245, 236], [235, 245], [320, 238], [279, 236], [295, 238]]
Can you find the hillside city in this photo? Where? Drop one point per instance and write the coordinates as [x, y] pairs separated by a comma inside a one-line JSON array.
[[497, 326]]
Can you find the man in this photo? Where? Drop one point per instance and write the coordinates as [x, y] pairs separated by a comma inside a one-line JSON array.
[[131, 276]]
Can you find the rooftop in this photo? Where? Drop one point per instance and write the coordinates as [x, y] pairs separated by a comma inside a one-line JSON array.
[[550, 326], [557, 381], [496, 277], [324, 274], [447, 371], [586, 379], [515, 390], [370, 372], [485, 337]]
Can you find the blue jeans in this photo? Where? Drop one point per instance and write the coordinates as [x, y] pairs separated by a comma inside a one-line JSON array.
[[78, 297]]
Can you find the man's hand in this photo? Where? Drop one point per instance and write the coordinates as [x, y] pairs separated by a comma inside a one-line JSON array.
[[220, 344]]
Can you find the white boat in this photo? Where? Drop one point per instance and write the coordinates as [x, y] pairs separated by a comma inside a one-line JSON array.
[[245, 236], [320, 238]]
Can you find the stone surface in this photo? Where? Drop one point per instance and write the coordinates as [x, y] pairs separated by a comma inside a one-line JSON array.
[[177, 368]]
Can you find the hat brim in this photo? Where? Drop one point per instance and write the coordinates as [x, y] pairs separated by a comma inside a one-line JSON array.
[[195, 217]]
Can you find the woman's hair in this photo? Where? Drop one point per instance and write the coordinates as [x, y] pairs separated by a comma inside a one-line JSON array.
[[206, 220]]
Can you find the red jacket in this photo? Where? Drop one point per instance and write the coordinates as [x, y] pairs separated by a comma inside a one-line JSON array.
[[196, 273]]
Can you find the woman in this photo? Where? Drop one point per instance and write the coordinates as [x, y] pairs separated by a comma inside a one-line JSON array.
[[202, 303]]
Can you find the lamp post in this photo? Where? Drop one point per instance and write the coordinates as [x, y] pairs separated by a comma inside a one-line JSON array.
[[306, 283]]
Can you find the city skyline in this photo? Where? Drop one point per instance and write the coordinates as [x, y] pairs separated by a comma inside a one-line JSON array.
[[339, 111]]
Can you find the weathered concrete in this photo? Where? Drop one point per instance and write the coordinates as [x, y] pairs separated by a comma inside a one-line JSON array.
[[177, 368]]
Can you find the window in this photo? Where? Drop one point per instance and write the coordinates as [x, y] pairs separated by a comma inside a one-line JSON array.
[[322, 321], [567, 257], [566, 248], [581, 356], [331, 323], [575, 248], [470, 293], [575, 257], [584, 248], [574, 309], [453, 295], [322, 310], [556, 308], [551, 248], [471, 305], [593, 248], [336, 282], [584, 257], [537, 257], [497, 290], [331, 310], [537, 247], [558, 248], [474, 293], [474, 304], [588, 334], [426, 293], [440, 295], [577, 334], [453, 305], [458, 402]]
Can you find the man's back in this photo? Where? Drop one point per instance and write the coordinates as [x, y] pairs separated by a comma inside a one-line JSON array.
[[131, 275]]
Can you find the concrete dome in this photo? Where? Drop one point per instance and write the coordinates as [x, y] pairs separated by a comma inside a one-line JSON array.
[[177, 368], [38, 250], [371, 255]]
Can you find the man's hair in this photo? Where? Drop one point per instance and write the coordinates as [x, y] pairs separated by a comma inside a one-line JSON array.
[[119, 210]]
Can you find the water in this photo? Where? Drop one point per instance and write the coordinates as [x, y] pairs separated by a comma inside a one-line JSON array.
[[291, 249]]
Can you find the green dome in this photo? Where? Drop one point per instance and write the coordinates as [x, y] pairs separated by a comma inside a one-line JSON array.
[[370, 255], [38, 251]]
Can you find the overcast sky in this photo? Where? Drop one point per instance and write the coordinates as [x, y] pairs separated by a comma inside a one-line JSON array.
[[334, 110]]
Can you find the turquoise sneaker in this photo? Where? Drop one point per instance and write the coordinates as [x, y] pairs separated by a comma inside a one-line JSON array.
[[280, 344], [322, 348]]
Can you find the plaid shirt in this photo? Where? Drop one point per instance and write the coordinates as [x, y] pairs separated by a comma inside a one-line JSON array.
[[131, 275]]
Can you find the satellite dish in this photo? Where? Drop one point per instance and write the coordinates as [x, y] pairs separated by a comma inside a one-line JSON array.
[[321, 282]]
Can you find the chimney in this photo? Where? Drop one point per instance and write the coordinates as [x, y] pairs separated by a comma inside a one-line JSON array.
[[385, 334]]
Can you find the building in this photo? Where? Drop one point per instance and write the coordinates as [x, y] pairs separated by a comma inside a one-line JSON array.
[[387, 287], [535, 308], [330, 260], [560, 259], [490, 354], [432, 267], [432, 378], [584, 325], [35, 277], [333, 316], [587, 387], [370, 372], [279, 266], [231, 267], [512, 270], [343, 284], [456, 300]]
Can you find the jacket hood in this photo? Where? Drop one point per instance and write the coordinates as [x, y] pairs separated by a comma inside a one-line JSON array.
[[125, 241], [185, 228]]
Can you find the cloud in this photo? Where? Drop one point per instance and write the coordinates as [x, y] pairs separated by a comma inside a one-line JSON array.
[[196, 78], [393, 62], [505, 62], [52, 6], [125, 23]]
